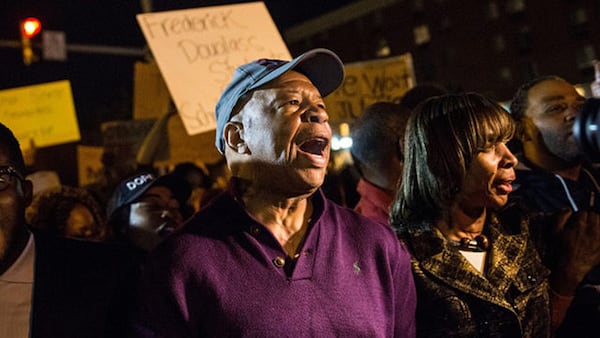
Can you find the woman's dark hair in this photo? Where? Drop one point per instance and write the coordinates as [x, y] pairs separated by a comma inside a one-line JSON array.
[[443, 136], [51, 208]]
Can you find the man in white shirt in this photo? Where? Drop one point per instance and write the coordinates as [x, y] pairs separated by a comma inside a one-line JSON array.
[[51, 287]]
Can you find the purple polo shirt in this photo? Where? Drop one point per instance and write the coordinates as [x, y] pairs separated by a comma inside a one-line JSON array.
[[224, 274]]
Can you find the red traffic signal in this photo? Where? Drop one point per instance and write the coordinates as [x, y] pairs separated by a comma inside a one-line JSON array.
[[30, 27]]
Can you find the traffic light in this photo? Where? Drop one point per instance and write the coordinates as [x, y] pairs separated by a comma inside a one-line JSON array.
[[29, 28]]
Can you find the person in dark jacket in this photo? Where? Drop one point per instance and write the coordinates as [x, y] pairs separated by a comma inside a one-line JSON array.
[[555, 180], [51, 286], [476, 271]]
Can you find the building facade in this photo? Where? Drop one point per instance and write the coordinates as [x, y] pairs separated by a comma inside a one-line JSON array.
[[488, 46]]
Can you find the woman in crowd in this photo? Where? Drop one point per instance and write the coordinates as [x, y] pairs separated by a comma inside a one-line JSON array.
[[67, 212], [476, 271]]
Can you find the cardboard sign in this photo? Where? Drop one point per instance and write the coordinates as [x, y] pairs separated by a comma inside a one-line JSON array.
[[151, 98], [197, 51], [89, 164], [44, 113], [368, 82]]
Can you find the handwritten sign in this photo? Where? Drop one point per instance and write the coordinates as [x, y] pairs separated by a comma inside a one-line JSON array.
[[197, 51], [368, 82], [44, 113]]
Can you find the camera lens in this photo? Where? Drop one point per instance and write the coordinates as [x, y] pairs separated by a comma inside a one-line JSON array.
[[585, 129]]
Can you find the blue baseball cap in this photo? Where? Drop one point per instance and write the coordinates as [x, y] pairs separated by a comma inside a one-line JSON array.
[[132, 188], [322, 67]]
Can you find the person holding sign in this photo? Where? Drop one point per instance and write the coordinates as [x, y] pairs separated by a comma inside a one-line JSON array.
[[271, 256]]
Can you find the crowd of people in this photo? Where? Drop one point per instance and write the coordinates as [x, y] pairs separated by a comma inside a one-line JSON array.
[[471, 221]]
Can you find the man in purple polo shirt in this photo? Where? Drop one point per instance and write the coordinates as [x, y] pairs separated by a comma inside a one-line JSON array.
[[272, 257]]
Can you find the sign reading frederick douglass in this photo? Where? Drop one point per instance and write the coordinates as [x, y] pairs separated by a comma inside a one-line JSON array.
[[197, 51], [42, 114], [368, 82]]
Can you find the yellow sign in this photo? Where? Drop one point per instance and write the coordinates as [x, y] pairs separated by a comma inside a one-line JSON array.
[[89, 164], [44, 113], [368, 82], [197, 51]]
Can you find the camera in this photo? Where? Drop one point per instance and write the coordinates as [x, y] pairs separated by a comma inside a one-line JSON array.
[[586, 129]]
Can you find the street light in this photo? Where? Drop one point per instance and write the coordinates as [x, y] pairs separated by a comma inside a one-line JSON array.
[[29, 28]]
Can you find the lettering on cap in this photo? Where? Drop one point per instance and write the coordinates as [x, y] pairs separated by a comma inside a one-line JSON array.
[[140, 180]]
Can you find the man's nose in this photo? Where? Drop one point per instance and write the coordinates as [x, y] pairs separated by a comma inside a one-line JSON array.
[[315, 114], [572, 112]]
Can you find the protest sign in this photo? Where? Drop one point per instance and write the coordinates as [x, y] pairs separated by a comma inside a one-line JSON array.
[[198, 49], [151, 98], [89, 164], [368, 82], [42, 115]]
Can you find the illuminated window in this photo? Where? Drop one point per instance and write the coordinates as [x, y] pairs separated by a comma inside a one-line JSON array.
[[421, 34], [492, 11]]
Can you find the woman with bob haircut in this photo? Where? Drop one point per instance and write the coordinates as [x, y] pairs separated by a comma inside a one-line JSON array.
[[476, 272]]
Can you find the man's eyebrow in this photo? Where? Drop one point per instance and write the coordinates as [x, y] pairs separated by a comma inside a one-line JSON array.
[[552, 98]]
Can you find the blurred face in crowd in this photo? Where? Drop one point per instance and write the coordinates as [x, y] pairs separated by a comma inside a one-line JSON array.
[[81, 223], [489, 178], [552, 106], [15, 196], [286, 134], [155, 215]]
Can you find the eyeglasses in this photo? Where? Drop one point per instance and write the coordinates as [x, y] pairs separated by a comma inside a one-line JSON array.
[[6, 176]]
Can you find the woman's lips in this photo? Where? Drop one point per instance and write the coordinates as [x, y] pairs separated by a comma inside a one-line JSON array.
[[504, 186]]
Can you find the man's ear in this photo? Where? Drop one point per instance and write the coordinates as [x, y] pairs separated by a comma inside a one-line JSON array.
[[27, 187], [526, 129], [234, 137]]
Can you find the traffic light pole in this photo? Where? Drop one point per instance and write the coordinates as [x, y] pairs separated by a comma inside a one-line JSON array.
[[82, 48]]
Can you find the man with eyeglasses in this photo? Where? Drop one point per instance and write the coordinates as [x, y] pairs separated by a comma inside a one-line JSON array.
[[49, 286]]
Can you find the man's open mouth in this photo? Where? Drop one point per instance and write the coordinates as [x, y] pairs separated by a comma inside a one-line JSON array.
[[314, 146]]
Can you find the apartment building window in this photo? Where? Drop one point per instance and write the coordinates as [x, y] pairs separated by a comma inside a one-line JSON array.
[[421, 35], [578, 23], [515, 6], [492, 11], [418, 6], [584, 56], [383, 48], [505, 74], [578, 17], [499, 43]]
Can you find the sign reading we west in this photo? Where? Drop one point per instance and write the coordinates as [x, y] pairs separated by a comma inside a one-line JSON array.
[[369, 82], [43, 114], [197, 51]]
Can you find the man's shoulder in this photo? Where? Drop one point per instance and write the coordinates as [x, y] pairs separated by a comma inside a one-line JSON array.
[[362, 227]]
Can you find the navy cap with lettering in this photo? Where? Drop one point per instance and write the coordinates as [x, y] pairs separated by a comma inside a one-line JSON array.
[[134, 187], [322, 66]]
